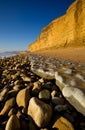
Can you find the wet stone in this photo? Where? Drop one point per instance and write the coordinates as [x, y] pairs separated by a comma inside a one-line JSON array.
[[44, 94], [32, 102]]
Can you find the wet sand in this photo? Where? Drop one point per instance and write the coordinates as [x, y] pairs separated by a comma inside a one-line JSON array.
[[73, 54]]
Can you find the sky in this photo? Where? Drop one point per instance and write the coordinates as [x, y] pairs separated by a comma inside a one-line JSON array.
[[21, 21]]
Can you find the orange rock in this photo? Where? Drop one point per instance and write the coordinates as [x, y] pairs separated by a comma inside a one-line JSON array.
[[65, 31], [63, 124]]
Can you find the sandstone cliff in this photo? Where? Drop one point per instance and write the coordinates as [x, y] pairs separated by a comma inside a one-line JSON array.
[[65, 31]]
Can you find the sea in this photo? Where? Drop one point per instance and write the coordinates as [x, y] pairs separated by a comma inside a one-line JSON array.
[[8, 53]]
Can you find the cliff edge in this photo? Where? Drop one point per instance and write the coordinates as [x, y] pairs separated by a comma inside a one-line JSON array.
[[65, 31]]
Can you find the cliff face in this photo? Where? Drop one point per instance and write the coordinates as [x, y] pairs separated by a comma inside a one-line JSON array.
[[65, 31]]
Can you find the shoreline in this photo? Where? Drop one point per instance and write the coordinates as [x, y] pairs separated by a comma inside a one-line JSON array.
[[43, 95], [72, 54]]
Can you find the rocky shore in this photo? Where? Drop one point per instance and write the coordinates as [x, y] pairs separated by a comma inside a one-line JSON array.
[[32, 100]]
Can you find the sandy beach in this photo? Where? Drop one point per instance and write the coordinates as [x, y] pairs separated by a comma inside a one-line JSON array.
[[73, 54]]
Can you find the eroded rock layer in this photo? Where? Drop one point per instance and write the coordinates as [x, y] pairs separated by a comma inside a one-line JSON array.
[[65, 31]]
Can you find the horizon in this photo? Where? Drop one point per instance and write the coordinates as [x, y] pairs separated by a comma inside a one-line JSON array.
[[21, 21]]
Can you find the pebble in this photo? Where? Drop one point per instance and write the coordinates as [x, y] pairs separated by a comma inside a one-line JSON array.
[[12, 111], [36, 88], [4, 94], [8, 105], [60, 108], [19, 95], [23, 98], [40, 112], [63, 124], [13, 123], [66, 78], [44, 94], [57, 101]]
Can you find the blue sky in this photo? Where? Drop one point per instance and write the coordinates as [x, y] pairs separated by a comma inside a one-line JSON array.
[[21, 21]]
